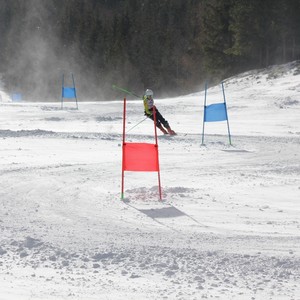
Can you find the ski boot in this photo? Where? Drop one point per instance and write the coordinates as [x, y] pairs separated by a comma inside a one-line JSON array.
[[170, 131], [164, 131]]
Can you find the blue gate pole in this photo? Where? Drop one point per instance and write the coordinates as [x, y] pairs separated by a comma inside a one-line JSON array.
[[75, 91], [204, 113], [226, 113], [62, 90]]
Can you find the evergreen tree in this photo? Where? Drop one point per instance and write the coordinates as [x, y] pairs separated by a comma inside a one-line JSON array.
[[217, 38], [171, 46]]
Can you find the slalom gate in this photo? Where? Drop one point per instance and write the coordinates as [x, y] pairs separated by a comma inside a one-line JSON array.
[[215, 113], [140, 157], [68, 92]]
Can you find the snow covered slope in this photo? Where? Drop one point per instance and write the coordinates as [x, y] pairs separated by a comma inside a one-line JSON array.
[[228, 227], [3, 96]]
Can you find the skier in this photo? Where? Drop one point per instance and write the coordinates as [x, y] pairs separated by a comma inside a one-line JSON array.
[[161, 123]]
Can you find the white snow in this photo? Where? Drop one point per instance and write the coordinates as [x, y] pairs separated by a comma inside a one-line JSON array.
[[228, 225], [3, 96]]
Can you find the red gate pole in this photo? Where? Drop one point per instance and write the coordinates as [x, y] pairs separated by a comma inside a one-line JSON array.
[[123, 144], [156, 144]]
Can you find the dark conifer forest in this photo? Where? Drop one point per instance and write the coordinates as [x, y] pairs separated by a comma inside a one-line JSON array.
[[170, 46]]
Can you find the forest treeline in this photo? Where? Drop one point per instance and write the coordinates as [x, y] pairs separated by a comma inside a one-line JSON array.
[[170, 46]]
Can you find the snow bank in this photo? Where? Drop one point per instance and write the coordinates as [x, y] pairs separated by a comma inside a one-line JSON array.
[[228, 227]]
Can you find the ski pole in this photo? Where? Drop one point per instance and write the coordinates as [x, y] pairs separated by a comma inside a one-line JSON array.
[[125, 91], [136, 125], [133, 94]]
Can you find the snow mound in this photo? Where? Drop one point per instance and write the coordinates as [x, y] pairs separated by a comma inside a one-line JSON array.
[[4, 97]]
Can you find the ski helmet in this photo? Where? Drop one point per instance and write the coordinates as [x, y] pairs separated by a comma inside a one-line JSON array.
[[149, 92]]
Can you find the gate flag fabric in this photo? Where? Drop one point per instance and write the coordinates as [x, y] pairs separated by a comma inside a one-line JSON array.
[[16, 97], [140, 157], [215, 113], [68, 92]]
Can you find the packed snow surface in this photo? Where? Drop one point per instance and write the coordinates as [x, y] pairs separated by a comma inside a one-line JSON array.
[[228, 226]]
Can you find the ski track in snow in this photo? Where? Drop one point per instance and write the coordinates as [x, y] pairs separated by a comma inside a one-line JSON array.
[[228, 225], [202, 261]]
